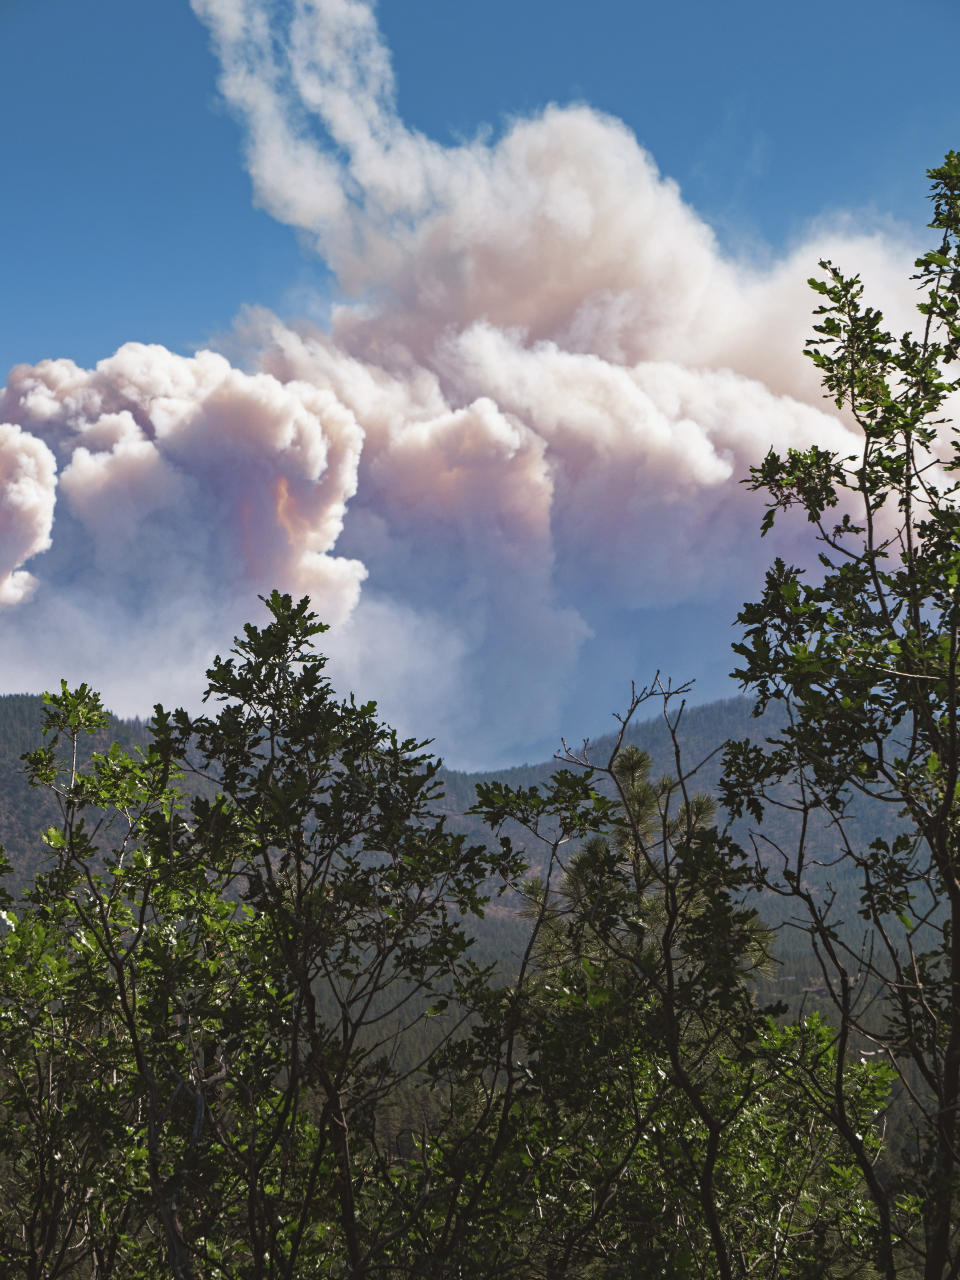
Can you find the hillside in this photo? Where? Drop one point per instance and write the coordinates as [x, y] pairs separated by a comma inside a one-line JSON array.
[[25, 812], [501, 936]]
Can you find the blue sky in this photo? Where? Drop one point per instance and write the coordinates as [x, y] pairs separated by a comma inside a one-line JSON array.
[[128, 212], [130, 216]]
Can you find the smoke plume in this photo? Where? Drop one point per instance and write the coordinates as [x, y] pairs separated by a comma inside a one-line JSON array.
[[510, 460]]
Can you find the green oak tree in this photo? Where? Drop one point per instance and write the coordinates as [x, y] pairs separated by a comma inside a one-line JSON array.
[[208, 1009], [244, 1034], [864, 656]]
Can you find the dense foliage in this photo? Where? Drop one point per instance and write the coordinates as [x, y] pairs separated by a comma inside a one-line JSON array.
[[248, 1037], [245, 1030]]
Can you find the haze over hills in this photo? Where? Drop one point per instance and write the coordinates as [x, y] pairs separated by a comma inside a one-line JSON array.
[[501, 936], [25, 812]]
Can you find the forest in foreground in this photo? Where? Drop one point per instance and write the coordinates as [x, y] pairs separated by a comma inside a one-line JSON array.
[[255, 1022]]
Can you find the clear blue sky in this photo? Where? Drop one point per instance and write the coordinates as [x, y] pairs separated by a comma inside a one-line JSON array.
[[126, 210]]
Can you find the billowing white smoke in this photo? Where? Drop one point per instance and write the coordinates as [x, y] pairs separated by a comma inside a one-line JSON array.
[[28, 482], [526, 430], [187, 471], [184, 486]]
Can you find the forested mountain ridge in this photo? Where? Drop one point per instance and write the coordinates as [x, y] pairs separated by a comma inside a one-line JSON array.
[[25, 811], [500, 935], [701, 734]]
